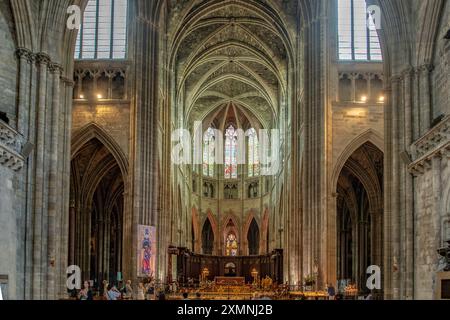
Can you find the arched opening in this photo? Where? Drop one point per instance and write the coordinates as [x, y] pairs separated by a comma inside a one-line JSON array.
[[230, 269], [231, 237], [207, 238], [253, 238], [96, 213], [360, 216]]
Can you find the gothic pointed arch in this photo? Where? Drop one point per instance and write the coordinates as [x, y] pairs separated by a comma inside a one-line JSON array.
[[230, 226], [93, 130], [98, 211], [359, 218], [253, 238], [208, 238], [368, 136]]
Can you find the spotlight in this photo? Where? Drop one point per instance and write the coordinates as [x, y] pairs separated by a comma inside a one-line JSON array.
[[99, 96], [81, 96], [381, 99], [363, 99]]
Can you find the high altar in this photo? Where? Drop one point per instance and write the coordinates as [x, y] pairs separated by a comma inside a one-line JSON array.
[[224, 269]]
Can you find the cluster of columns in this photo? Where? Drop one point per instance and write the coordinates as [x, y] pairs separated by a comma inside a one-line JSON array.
[[407, 117], [44, 121], [150, 155]]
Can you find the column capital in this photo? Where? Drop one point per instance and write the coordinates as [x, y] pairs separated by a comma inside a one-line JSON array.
[[96, 73], [43, 58], [369, 76], [408, 72], [23, 53], [395, 79], [110, 73], [68, 82], [426, 68], [55, 68]]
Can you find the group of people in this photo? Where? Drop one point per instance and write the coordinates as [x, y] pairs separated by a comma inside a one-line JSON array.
[[149, 289], [124, 291]]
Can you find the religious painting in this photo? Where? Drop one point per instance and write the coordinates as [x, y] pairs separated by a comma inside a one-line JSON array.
[[146, 258], [231, 245]]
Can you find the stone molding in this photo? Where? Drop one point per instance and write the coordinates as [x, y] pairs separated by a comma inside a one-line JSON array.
[[11, 144], [97, 67], [436, 143]]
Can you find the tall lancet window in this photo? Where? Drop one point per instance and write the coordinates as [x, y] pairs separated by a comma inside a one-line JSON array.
[[253, 154], [103, 33], [209, 153], [231, 138], [358, 37]]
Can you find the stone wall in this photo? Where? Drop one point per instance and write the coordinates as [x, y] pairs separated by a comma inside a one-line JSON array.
[[431, 169], [240, 210], [8, 232], [114, 118], [8, 63], [349, 122], [11, 223], [440, 75], [11, 214]]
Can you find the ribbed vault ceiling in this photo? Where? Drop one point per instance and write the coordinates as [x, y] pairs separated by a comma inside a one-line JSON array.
[[230, 53]]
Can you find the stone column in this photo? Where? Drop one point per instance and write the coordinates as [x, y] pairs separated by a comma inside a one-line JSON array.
[[79, 75], [106, 247], [416, 105], [353, 77], [369, 77], [425, 94], [72, 222], [395, 218], [25, 126], [24, 90], [95, 75], [437, 193], [43, 61], [124, 75], [152, 200], [387, 187], [408, 192], [53, 177], [110, 75], [100, 248], [64, 162]]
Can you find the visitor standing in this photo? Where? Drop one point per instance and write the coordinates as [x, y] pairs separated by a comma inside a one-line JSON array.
[[140, 292], [86, 292], [113, 293], [105, 289], [331, 292], [128, 294]]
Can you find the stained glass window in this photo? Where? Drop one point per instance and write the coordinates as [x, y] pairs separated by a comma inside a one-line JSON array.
[[231, 246], [209, 153], [103, 33], [253, 154], [357, 36], [231, 138]]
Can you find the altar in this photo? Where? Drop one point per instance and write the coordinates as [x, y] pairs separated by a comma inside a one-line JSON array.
[[230, 281], [191, 269]]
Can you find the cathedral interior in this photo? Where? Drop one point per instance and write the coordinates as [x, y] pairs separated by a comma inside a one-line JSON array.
[[317, 132]]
